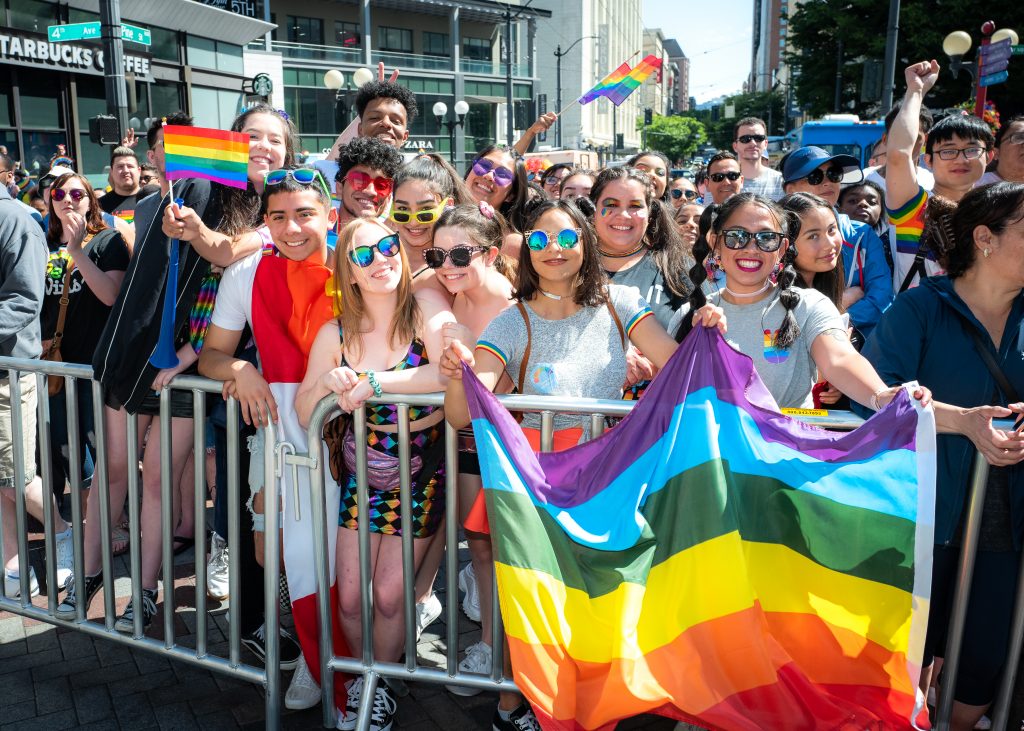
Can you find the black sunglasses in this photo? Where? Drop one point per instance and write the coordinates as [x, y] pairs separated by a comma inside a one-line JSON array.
[[719, 177], [834, 174], [738, 238], [460, 255], [747, 139], [678, 193]]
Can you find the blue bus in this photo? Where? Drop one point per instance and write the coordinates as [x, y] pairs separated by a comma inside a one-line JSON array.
[[842, 134]]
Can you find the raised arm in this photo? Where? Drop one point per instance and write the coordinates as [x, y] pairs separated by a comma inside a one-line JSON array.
[[543, 124], [900, 168]]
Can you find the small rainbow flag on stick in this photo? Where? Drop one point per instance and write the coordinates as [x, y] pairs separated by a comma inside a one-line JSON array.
[[212, 154], [623, 81]]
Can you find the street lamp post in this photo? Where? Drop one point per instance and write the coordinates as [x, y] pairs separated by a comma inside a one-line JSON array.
[[958, 43], [558, 84], [335, 81], [440, 110]]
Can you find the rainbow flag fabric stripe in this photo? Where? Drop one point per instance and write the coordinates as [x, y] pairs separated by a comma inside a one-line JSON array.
[[212, 154], [623, 81], [712, 560]]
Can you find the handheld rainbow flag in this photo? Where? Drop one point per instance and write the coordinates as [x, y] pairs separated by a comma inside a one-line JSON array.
[[712, 560], [623, 81], [212, 154]]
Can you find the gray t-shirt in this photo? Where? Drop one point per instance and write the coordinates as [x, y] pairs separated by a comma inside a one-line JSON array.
[[788, 374], [579, 356], [768, 184]]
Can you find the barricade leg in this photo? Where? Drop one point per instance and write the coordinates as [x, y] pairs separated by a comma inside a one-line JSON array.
[[199, 511], [46, 469], [271, 579]]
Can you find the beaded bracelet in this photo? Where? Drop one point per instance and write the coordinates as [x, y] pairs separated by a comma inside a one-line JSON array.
[[374, 384]]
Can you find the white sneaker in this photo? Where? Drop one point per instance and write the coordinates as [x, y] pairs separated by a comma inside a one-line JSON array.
[[217, 576], [427, 613], [303, 691], [477, 660], [467, 585], [65, 557], [12, 584], [984, 724], [354, 689]]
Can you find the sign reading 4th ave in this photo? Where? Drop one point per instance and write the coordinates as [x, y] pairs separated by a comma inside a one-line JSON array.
[[91, 31]]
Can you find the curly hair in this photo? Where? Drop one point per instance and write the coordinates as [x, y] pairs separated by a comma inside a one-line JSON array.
[[662, 236], [93, 219], [369, 152], [591, 286], [717, 216], [993, 206], [241, 208], [830, 283], [387, 90]]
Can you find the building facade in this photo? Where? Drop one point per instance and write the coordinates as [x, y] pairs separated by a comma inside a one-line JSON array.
[[770, 41], [682, 101], [49, 91], [658, 93], [594, 38], [445, 52]]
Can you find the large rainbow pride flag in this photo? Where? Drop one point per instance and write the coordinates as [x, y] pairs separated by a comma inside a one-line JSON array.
[[623, 81], [711, 560], [212, 154]]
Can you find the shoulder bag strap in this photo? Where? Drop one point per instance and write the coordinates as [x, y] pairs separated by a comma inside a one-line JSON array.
[[618, 322], [917, 268], [65, 298], [990, 361], [526, 350]]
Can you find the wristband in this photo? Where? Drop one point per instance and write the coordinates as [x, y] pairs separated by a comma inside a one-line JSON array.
[[374, 384], [874, 398]]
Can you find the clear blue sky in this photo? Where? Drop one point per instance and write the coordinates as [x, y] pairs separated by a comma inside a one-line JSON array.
[[714, 34]]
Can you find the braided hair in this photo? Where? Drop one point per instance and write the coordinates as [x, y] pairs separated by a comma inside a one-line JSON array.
[[833, 282], [713, 220], [662, 235]]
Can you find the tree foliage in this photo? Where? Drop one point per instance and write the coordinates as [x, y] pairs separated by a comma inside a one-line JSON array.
[[816, 28], [769, 106], [676, 137]]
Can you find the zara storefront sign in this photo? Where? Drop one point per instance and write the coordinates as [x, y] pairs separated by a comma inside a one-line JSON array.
[[23, 48]]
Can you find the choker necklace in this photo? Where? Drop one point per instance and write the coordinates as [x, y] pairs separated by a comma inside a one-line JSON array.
[[639, 247], [738, 295], [549, 295]]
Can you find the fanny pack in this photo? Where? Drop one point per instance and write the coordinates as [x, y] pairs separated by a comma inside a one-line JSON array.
[[381, 467]]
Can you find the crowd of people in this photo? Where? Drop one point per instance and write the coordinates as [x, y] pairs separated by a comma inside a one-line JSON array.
[[841, 284]]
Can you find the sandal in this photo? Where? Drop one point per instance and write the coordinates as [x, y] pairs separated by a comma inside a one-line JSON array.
[[119, 539], [182, 544]]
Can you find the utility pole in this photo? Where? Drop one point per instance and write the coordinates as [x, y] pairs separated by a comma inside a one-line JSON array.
[[113, 62], [889, 73], [839, 77], [558, 85], [509, 115]]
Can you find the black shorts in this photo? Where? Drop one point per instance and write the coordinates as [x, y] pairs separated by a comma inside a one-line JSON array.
[[181, 404]]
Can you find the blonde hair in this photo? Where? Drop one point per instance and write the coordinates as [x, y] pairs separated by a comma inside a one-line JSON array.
[[348, 299]]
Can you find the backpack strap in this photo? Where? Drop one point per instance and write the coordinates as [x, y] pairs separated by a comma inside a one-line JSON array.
[[529, 339]]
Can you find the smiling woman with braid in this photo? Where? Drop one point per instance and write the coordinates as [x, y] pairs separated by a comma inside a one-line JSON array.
[[790, 333]]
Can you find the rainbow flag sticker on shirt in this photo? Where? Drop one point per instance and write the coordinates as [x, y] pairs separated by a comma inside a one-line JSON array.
[[211, 154]]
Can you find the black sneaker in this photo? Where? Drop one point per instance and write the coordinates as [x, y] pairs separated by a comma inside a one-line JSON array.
[[384, 709], [521, 719], [67, 608], [126, 622], [256, 641]]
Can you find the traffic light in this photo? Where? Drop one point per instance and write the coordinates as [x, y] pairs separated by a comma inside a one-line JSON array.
[[648, 116], [104, 130]]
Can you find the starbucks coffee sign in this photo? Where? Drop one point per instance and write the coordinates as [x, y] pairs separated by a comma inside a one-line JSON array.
[[24, 48]]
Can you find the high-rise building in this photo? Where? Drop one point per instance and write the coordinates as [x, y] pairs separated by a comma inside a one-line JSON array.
[[681, 92], [594, 38], [770, 41], [658, 92]]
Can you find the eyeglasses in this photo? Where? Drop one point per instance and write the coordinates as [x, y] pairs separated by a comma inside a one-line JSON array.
[[833, 174], [1016, 139], [302, 176], [733, 176], [146, 179], [363, 255], [428, 215], [952, 153], [503, 177], [77, 194], [747, 139], [362, 181], [678, 193], [567, 238], [660, 172], [738, 238], [460, 255]]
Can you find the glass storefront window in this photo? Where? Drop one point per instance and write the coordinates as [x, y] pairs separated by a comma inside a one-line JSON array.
[[166, 45], [202, 52], [6, 110], [166, 97], [32, 15], [315, 111], [81, 16], [92, 99], [215, 107], [94, 160], [229, 58], [40, 100], [9, 139], [40, 146]]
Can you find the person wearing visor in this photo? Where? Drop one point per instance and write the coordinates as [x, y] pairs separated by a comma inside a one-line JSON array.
[[868, 282]]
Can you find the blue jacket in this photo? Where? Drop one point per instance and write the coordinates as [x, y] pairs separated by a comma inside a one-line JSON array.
[[922, 338], [869, 269]]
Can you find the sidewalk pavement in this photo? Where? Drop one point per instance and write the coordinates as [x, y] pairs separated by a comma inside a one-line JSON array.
[[52, 678]]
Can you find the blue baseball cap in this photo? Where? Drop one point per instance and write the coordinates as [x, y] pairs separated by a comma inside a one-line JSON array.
[[803, 161]]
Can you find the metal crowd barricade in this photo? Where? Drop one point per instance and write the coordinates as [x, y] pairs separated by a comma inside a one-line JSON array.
[[74, 377], [372, 670]]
